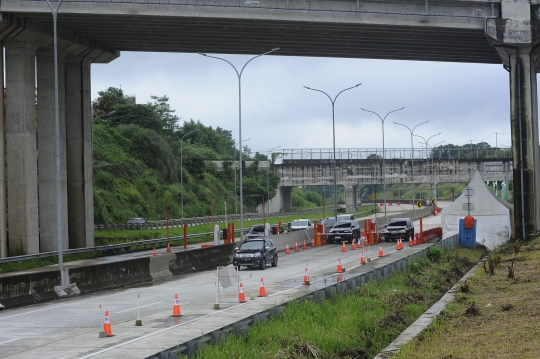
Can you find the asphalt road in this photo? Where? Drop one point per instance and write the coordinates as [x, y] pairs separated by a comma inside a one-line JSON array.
[[69, 328]]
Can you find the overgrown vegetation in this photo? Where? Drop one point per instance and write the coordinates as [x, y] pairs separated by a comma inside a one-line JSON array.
[[354, 326], [142, 157], [495, 313]]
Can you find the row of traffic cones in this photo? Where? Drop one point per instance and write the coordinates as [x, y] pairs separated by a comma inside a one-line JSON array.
[[296, 249], [107, 328], [242, 295], [154, 254]]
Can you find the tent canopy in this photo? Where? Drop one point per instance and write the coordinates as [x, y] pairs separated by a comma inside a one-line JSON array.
[[493, 215]]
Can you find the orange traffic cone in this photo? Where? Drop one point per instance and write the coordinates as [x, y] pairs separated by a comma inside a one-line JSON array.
[[262, 291], [107, 325], [176, 308], [154, 254], [241, 295], [313, 242], [415, 239], [339, 267], [168, 246], [362, 259], [343, 248], [380, 251], [353, 245], [399, 246], [296, 246], [306, 278], [410, 241], [304, 246], [359, 245], [287, 250], [366, 242]]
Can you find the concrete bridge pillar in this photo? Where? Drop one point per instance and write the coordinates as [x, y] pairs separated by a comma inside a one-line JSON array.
[[3, 232], [517, 43], [284, 198], [21, 148], [350, 198], [79, 153], [48, 200]]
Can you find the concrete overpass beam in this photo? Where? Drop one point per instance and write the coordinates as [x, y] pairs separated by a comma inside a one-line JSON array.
[[79, 153], [48, 197], [21, 148]]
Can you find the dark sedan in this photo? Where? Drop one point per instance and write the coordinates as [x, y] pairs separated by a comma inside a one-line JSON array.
[[256, 252], [343, 231]]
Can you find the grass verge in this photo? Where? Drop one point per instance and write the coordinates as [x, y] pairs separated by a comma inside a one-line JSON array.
[[496, 314], [356, 326]]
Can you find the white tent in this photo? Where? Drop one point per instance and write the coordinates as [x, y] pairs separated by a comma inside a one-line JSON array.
[[493, 215]]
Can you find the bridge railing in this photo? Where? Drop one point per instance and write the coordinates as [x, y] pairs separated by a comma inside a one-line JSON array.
[[443, 152]]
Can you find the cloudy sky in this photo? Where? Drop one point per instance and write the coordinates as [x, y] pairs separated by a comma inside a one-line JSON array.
[[463, 101]]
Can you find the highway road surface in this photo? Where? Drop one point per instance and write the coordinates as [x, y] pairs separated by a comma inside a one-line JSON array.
[[69, 328]]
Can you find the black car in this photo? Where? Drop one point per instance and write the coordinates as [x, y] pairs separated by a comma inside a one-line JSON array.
[[398, 228], [255, 231], [256, 252], [328, 223], [135, 223], [343, 231]]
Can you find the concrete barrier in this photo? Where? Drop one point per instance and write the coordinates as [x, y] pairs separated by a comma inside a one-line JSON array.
[[37, 285]]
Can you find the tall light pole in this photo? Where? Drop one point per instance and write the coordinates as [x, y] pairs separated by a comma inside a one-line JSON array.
[[235, 199], [412, 160], [267, 181], [64, 277], [433, 189], [383, 168], [426, 143], [239, 74], [182, 169], [334, 138]]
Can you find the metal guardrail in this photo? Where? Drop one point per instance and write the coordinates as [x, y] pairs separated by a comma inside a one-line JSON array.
[[104, 248]]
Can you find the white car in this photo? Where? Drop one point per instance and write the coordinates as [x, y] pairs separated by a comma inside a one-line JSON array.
[[300, 224]]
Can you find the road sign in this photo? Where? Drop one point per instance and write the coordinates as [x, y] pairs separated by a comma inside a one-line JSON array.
[[432, 201], [410, 197], [372, 197], [395, 197], [419, 204], [424, 198]]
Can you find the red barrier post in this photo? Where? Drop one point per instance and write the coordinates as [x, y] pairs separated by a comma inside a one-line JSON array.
[[421, 231], [232, 232], [185, 236]]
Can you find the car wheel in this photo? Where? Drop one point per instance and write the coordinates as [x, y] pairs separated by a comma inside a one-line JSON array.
[[262, 266], [274, 262], [237, 268]]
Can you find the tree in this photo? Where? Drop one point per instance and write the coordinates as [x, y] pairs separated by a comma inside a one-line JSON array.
[[107, 101]]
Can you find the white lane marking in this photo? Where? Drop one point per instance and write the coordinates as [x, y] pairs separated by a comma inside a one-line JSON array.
[[127, 310], [177, 325], [7, 341]]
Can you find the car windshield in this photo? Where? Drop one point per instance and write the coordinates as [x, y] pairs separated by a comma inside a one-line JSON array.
[[257, 229], [252, 245], [135, 220], [342, 225], [344, 217], [299, 223], [397, 224]]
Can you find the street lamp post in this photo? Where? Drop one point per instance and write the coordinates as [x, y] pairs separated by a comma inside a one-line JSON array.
[[182, 170], [433, 186], [239, 74], [236, 199], [412, 160], [64, 277], [334, 138], [426, 143], [267, 181], [383, 168]]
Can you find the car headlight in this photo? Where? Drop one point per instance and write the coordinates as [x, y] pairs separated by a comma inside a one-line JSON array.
[[257, 255]]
